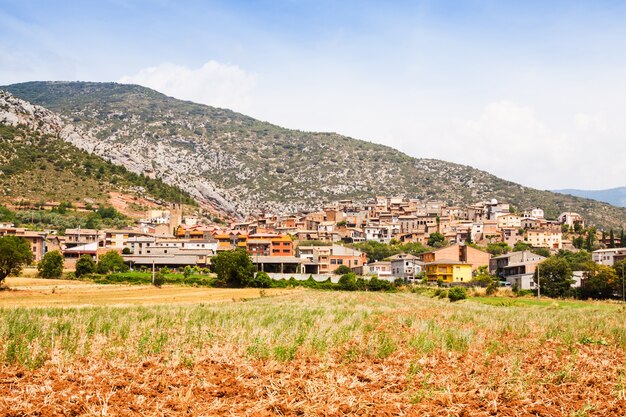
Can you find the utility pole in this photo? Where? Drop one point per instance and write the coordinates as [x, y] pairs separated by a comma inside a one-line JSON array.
[[623, 287], [153, 272], [538, 283]]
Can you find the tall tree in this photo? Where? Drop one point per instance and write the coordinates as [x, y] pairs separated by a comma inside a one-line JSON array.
[[51, 266], [14, 253], [611, 239], [620, 272], [622, 240], [233, 268], [436, 240], [111, 262], [599, 282], [554, 276]]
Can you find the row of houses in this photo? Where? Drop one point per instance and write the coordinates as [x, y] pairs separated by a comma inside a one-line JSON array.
[[410, 220]]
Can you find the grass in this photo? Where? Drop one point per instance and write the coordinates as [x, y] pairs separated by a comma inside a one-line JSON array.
[[315, 347]]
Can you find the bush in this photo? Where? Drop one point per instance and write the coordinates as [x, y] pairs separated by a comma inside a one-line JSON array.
[[261, 280], [85, 266], [457, 293], [342, 270], [441, 293], [347, 282], [159, 278]]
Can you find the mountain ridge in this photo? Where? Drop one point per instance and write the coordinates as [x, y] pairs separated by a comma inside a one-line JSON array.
[[614, 196], [245, 166]]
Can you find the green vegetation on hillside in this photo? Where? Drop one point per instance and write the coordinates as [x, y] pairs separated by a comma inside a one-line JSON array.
[[39, 168]]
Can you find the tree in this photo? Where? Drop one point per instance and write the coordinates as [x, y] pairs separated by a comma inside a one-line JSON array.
[[126, 251], [590, 239], [599, 282], [564, 228], [375, 251], [578, 228], [342, 270], [51, 265], [554, 276], [483, 277], [111, 262], [413, 248], [187, 271], [620, 272], [498, 248], [541, 252], [233, 268], [622, 240], [469, 241], [611, 238], [436, 240], [85, 266], [15, 252], [578, 261], [521, 246]]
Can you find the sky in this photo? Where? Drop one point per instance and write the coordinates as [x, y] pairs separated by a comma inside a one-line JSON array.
[[531, 91]]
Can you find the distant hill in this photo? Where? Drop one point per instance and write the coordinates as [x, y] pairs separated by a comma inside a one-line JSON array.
[[37, 166], [614, 196], [243, 165]]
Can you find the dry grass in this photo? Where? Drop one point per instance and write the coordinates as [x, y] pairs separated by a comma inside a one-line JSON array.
[[315, 353]]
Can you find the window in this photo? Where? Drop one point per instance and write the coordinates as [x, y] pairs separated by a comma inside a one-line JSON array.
[[333, 262]]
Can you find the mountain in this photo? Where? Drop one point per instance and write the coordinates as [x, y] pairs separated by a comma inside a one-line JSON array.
[[36, 165], [243, 165], [614, 196]]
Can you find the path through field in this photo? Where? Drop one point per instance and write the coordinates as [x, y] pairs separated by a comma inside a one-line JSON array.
[[34, 292]]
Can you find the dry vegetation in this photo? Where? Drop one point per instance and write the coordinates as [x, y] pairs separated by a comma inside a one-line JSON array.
[[316, 353]]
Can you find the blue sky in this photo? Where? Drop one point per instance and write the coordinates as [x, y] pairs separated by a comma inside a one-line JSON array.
[[531, 91]]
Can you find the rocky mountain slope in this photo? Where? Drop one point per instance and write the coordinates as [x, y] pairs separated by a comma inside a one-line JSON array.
[[36, 165], [243, 165]]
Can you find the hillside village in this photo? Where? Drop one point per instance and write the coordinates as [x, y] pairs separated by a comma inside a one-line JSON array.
[[452, 242]]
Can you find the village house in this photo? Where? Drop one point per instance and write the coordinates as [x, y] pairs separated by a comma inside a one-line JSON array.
[[405, 266], [608, 257], [448, 271], [544, 238], [458, 253], [36, 240], [516, 268], [381, 269]]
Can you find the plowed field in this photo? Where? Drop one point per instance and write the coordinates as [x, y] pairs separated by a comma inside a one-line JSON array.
[[316, 353]]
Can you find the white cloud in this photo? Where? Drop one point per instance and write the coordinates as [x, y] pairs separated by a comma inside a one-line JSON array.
[[214, 83], [594, 122]]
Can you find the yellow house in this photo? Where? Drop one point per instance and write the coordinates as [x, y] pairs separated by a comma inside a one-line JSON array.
[[449, 271]]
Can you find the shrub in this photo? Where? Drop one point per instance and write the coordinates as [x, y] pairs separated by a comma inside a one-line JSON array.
[[342, 270], [347, 282], [261, 280], [457, 293], [85, 266]]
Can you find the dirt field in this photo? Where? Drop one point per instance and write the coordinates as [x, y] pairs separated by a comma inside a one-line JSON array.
[[34, 292], [315, 353]]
